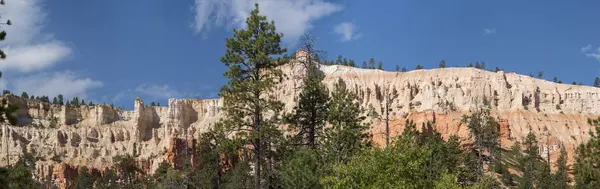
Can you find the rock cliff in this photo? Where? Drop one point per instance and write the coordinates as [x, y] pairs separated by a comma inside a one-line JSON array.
[[66, 137]]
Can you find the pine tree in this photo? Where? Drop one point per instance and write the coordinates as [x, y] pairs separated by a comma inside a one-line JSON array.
[[364, 65], [442, 64], [54, 100], [60, 99], [345, 63], [84, 179], [397, 68], [82, 102], [486, 132], [339, 60], [152, 104], [418, 67], [380, 65], [91, 103], [352, 63], [24, 95], [252, 75], [561, 177], [372, 63], [3, 35], [587, 174], [309, 115], [540, 74], [597, 82], [528, 162], [347, 132], [403, 69], [32, 97]]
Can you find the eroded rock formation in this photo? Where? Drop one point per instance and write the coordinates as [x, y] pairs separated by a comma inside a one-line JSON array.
[[64, 138]]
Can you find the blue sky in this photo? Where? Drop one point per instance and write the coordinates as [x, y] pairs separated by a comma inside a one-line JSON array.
[[113, 51]]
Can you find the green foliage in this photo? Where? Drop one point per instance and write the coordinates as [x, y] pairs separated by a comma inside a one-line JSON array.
[[372, 63], [127, 166], [587, 173], [253, 74], [486, 132], [397, 68], [596, 82], [415, 161], [19, 175], [419, 67], [528, 162], [442, 64], [403, 69], [380, 65], [60, 99], [364, 65], [447, 181], [561, 176], [300, 170], [84, 179], [347, 133], [5, 92], [24, 95]]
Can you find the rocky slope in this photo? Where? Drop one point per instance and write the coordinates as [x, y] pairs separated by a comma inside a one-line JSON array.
[[65, 137]]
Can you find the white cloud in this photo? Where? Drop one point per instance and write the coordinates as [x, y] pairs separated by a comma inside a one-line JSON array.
[[347, 31], [157, 91], [34, 57], [27, 48], [585, 48], [67, 83], [489, 31], [292, 17], [593, 54]]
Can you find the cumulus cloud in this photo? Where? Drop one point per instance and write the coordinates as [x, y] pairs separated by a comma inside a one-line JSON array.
[[347, 31], [489, 31], [51, 84], [585, 48], [591, 54], [27, 48], [292, 17]]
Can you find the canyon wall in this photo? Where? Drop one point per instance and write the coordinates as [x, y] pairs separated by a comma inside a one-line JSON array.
[[62, 138]]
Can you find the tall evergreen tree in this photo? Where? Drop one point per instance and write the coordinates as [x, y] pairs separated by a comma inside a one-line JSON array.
[[339, 60], [561, 177], [310, 114], [380, 65], [364, 65], [248, 105], [346, 135], [397, 68], [442, 64], [486, 131], [24, 95], [54, 100], [403, 69], [60, 99], [418, 67], [84, 179], [3, 35], [528, 162], [352, 63], [587, 173], [372, 63], [345, 62], [597, 82]]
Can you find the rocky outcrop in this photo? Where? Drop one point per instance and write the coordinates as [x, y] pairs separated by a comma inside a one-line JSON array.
[[66, 137]]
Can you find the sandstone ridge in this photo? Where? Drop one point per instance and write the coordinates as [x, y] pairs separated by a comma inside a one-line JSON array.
[[66, 137]]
